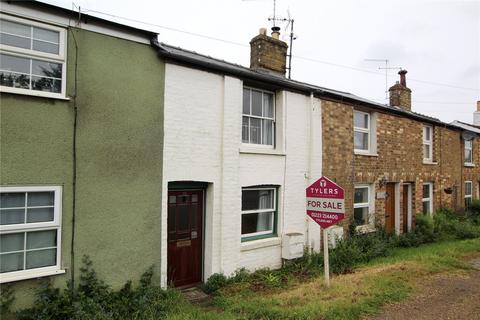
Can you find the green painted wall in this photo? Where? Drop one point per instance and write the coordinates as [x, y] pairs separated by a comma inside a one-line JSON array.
[[119, 156]]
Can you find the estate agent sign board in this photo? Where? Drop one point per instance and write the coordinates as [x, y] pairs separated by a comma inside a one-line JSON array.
[[325, 202]]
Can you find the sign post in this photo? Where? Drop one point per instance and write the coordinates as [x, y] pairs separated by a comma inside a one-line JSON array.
[[326, 206]]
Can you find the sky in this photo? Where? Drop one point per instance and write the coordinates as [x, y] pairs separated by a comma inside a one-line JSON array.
[[438, 42]]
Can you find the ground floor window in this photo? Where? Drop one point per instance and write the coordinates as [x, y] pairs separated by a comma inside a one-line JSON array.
[[29, 231], [427, 198], [258, 212], [468, 193], [363, 206]]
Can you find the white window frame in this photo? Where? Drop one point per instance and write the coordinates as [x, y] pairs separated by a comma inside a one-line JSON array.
[[430, 197], [259, 145], [370, 204], [469, 196], [39, 226], [273, 211], [60, 58], [425, 142], [468, 163], [367, 130]]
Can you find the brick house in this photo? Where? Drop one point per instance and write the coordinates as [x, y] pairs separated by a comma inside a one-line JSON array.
[[395, 163]]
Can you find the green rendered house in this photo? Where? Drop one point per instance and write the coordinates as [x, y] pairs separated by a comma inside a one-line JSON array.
[[81, 111]]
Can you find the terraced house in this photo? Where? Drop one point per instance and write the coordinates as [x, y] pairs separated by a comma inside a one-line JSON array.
[[137, 153]]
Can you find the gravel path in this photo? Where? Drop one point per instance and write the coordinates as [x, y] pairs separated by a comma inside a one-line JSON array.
[[441, 297]]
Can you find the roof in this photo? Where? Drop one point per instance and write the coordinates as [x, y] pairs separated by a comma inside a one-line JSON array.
[[85, 17], [201, 61], [466, 126]]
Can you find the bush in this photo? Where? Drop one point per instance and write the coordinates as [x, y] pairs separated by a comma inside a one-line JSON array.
[[215, 282], [466, 230], [473, 212], [424, 228], [345, 256]]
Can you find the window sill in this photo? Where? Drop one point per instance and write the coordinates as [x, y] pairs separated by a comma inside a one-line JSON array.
[[253, 150], [33, 93], [30, 274], [262, 243], [469, 165], [430, 162], [367, 154]]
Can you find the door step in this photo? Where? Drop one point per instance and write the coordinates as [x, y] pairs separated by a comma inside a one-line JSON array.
[[195, 295]]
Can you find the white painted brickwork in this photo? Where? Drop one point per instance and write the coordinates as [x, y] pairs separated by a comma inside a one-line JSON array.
[[202, 142]]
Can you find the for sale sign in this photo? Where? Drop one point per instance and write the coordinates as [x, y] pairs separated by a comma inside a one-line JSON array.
[[325, 202]]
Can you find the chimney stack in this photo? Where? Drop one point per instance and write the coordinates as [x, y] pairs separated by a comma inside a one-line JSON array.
[[268, 54], [400, 95], [476, 115]]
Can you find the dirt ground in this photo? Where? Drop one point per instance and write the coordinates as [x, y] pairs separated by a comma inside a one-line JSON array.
[[455, 296]]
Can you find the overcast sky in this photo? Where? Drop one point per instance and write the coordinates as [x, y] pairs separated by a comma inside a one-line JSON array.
[[438, 42]]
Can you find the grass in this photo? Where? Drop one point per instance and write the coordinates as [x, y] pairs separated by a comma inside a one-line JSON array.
[[383, 280]]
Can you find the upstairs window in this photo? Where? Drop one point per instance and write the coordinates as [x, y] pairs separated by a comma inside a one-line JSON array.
[[259, 208], [258, 117], [361, 127], [468, 193], [468, 151], [427, 143], [32, 57]]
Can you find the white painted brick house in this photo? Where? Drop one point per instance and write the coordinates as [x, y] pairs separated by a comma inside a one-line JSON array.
[[249, 149]]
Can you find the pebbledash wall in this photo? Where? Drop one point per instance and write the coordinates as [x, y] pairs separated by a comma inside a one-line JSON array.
[[118, 80], [206, 146], [398, 159]]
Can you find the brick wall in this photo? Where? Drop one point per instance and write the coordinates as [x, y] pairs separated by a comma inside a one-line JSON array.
[[399, 159]]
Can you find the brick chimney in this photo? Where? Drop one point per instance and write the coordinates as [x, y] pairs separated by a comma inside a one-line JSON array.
[[476, 115], [400, 95], [268, 54]]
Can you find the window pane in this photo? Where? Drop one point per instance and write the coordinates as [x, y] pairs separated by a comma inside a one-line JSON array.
[[426, 151], [468, 155], [41, 239], [426, 191], [12, 216], [468, 189], [360, 215], [37, 199], [245, 121], [360, 120], [257, 222], [46, 35], [15, 28], [255, 131], [41, 258], [12, 200], [427, 133], [256, 103], [257, 199], [39, 215], [47, 69], [193, 222], [361, 141], [14, 41], [46, 84], [11, 262], [361, 195], [16, 64], [426, 207], [12, 242], [268, 105], [267, 132], [45, 46], [183, 223], [246, 101], [468, 202], [468, 144], [14, 80]]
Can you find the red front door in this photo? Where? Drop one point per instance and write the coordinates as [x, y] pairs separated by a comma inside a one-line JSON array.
[[185, 213], [390, 208]]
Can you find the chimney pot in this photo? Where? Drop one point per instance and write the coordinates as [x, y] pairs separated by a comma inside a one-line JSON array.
[[478, 106], [263, 31], [276, 33], [403, 80]]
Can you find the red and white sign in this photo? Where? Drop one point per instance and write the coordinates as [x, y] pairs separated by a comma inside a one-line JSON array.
[[325, 202]]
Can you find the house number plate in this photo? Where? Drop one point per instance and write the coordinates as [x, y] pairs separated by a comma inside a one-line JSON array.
[[184, 243]]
